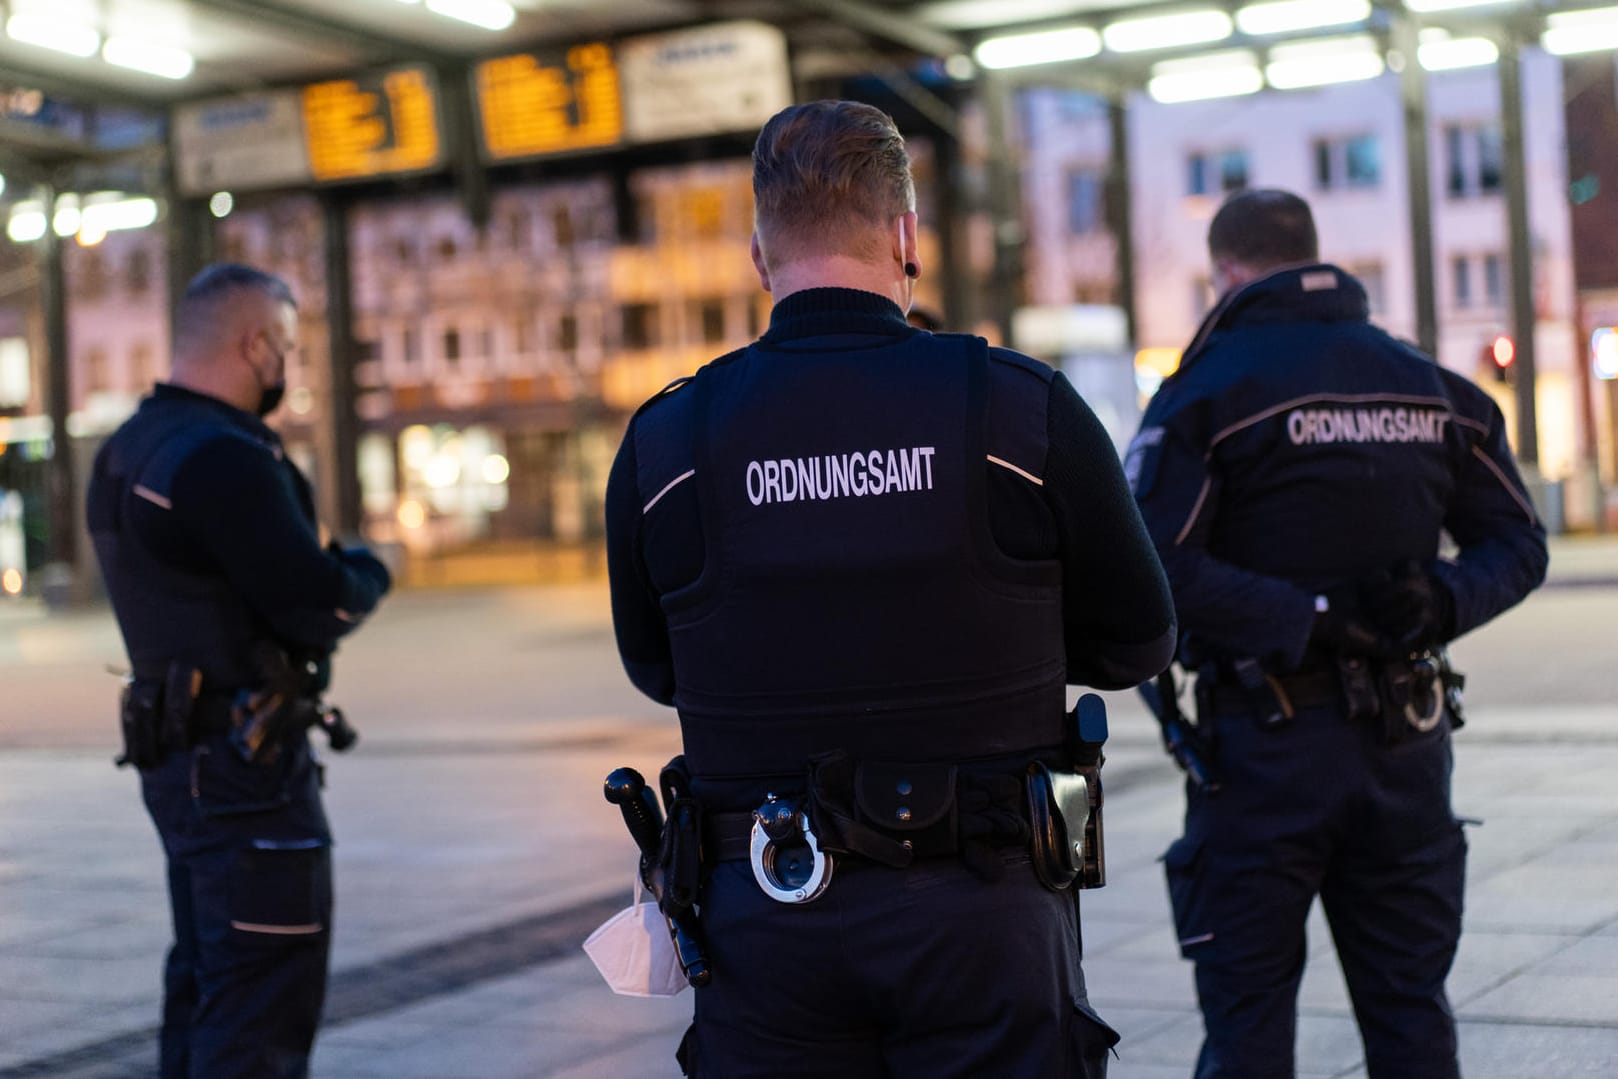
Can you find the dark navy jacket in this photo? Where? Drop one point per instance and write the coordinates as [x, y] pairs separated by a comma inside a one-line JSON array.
[[858, 535], [1298, 447], [207, 540]]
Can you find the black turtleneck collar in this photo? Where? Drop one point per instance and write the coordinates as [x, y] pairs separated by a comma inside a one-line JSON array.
[[168, 391], [1317, 293], [817, 312]]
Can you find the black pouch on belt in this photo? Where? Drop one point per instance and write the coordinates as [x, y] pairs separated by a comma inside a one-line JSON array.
[[913, 803], [138, 718], [181, 687], [1058, 811]]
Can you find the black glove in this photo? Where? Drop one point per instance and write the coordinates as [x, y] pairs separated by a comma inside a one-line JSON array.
[[1414, 608], [1342, 628]]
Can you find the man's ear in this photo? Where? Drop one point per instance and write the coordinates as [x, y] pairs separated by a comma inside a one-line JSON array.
[[758, 262], [906, 248]]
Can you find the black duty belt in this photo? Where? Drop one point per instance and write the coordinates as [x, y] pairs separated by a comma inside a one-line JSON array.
[[1303, 689]]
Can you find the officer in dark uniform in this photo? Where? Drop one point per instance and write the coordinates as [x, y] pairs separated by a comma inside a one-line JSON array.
[[229, 607], [1297, 473], [862, 561]]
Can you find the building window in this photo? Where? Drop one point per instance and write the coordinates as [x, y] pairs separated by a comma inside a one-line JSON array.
[[140, 272], [1461, 276], [452, 346], [562, 227], [523, 335], [1494, 281], [1216, 173], [447, 249], [1474, 160], [1369, 274], [567, 334], [92, 276], [710, 314], [95, 370], [638, 325], [412, 346], [1347, 163], [143, 365], [1084, 207]]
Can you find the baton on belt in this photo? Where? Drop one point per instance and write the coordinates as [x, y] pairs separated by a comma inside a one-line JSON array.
[[627, 789], [1180, 739]]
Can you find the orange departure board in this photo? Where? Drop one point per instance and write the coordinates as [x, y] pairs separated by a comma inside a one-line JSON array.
[[373, 125], [549, 102]]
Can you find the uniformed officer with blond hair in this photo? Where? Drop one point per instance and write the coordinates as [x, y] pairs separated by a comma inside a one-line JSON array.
[[863, 562]]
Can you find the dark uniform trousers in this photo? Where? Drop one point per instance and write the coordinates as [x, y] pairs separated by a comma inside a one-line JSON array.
[[871, 980], [1322, 805], [249, 868]]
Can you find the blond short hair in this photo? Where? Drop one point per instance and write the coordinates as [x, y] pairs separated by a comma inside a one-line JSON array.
[[827, 176]]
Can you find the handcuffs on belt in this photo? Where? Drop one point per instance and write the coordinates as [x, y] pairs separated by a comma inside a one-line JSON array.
[[787, 861]]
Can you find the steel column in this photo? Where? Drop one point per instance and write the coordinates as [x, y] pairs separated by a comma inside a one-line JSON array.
[[1120, 213], [1521, 247], [1418, 179], [341, 390]]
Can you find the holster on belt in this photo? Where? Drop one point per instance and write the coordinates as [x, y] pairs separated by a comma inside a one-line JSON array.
[[680, 852], [138, 719], [157, 717], [1058, 814]]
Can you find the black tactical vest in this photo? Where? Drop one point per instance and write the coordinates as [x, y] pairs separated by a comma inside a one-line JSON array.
[[852, 596], [169, 605]]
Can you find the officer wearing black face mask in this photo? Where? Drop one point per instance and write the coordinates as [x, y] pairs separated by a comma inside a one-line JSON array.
[[1297, 474], [229, 606], [862, 561]]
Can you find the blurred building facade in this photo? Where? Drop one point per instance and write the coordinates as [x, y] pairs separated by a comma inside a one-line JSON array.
[[1342, 147]]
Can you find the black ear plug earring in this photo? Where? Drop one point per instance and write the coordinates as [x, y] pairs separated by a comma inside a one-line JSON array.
[[912, 270]]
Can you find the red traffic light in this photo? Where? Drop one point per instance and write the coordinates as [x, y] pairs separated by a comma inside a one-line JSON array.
[[1503, 351]]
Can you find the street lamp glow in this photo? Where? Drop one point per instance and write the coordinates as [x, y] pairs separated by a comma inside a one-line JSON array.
[[488, 14], [1042, 47], [67, 217], [1448, 54], [1324, 63], [121, 213], [221, 204], [1167, 31], [1289, 16], [27, 223], [59, 35], [149, 58], [1570, 32], [1227, 74]]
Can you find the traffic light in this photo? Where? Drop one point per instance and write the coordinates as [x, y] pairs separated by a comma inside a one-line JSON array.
[[1499, 357]]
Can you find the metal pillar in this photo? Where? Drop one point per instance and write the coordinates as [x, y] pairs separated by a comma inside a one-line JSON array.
[[1005, 203], [61, 488], [1418, 178], [342, 394], [955, 270], [1120, 213], [1521, 244], [190, 247]]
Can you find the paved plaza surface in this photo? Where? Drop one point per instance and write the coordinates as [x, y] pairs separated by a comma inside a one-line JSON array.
[[475, 852]]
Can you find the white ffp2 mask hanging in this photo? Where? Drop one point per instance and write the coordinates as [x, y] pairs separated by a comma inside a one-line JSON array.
[[634, 952]]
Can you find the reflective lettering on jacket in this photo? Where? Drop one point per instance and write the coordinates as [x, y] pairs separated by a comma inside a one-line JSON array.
[[1324, 425], [829, 476]]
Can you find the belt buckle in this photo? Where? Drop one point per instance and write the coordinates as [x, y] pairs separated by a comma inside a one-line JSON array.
[[1425, 679], [785, 853]]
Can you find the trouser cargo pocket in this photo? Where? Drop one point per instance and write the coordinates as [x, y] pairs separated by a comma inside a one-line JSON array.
[[1090, 1041], [282, 888], [1192, 922]]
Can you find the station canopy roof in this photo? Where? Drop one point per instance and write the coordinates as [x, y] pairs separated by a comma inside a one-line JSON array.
[[144, 56]]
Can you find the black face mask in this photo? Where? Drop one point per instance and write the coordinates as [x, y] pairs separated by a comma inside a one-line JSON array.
[[269, 398]]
